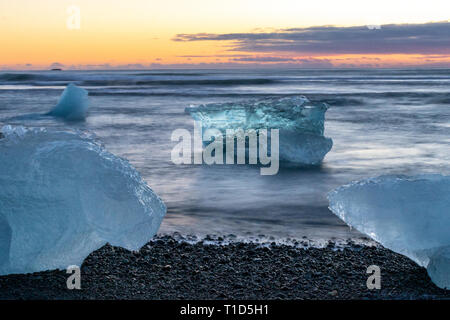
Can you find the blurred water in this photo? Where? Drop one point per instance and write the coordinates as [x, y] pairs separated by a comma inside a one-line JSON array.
[[381, 122]]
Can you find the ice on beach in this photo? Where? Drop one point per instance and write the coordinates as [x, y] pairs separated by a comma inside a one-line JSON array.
[[409, 215], [72, 105], [301, 124], [63, 196]]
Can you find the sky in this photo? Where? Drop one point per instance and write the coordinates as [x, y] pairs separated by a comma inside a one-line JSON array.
[[102, 34]]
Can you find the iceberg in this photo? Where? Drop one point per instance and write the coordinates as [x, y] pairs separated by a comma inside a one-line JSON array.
[[409, 215], [300, 124], [63, 196], [72, 105]]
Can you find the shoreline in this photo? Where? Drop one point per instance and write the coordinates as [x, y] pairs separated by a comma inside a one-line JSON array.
[[167, 268]]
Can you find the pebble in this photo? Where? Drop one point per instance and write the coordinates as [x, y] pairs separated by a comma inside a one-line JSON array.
[[168, 269]]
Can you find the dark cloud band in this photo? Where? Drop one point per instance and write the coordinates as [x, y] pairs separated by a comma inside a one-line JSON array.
[[427, 38]]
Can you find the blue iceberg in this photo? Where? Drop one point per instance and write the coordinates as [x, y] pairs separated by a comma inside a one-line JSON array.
[[300, 124], [409, 215], [63, 196], [72, 105]]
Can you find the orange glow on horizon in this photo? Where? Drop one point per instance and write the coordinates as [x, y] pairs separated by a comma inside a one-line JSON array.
[[34, 34]]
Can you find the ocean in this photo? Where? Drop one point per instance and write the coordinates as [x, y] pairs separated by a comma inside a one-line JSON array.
[[382, 121]]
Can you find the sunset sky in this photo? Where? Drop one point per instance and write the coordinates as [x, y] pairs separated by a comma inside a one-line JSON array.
[[209, 33]]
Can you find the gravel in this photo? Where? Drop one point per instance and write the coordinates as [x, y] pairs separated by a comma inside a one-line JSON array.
[[166, 268]]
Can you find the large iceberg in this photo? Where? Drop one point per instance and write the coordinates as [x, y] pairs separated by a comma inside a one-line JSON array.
[[409, 215], [72, 105], [63, 196], [300, 124]]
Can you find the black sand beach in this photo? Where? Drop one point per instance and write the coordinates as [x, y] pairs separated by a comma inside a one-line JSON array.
[[170, 269]]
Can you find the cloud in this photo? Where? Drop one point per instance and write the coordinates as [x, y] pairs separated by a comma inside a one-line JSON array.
[[315, 63], [427, 38], [295, 62], [132, 66], [263, 59], [56, 65], [234, 55]]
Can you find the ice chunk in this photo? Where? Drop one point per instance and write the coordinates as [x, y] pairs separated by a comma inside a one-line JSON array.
[[72, 105], [301, 124], [63, 196], [409, 215]]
